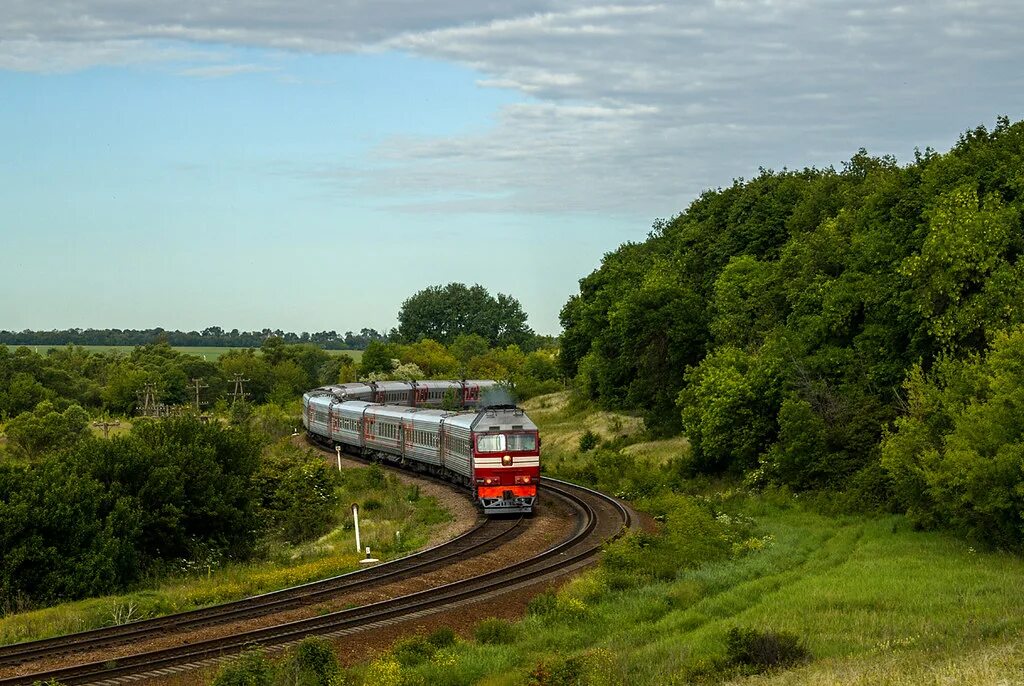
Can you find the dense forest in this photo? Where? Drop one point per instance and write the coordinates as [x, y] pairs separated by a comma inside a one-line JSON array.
[[854, 330]]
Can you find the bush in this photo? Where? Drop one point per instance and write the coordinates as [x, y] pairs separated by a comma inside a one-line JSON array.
[[442, 638], [589, 441], [764, 650], [413, 651], [543, 604], [251, 669], [494, 631], [312, 663]]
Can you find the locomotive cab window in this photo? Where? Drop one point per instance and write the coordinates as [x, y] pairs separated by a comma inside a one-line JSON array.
[[491, 443], [522, 442]]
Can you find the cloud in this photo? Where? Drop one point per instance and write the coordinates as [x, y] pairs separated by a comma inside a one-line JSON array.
[[219, 71], [624, 107]]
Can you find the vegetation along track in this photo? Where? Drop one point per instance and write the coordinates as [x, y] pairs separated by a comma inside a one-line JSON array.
[[485, 535], [600, 518]]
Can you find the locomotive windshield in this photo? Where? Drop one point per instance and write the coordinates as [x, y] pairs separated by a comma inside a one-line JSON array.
[[498, 443], [522, 442]]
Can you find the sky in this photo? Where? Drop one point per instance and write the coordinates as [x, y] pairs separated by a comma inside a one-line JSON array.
[[309, 165]]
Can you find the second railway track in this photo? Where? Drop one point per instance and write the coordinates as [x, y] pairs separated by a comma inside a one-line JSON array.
[[600, 518]]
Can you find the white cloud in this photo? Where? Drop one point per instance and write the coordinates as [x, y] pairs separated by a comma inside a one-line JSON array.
[[218, 71], [629, 107]]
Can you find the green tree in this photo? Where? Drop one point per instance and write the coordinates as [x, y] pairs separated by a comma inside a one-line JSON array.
[[377, 358], [957, 457], [442, 313], [45, 429]]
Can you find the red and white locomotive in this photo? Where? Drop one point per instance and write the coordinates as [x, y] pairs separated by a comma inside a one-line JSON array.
[[495, 449]]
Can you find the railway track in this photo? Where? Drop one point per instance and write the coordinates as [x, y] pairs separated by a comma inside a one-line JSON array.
[[600, 518], [483, 537]]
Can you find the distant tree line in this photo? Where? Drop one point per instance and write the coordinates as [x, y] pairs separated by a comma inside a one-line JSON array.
[[857, 331], [212, 336]]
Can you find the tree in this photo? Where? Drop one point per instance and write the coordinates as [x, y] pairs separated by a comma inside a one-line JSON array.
[[443, 313], [377, 358], [957, 456], [45, 429]]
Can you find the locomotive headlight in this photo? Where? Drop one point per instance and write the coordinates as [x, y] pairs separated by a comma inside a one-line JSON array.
[[523, 479], [506, 460]]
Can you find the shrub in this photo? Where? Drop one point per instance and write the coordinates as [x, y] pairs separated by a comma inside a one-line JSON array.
[[413, 651], [442, 638], [494, 631], [543, 604], [589, 441], [764, 650], [251, 669], [312, 663]]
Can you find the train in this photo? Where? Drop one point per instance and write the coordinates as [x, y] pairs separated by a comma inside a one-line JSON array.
[[463, 394], [490, 447]]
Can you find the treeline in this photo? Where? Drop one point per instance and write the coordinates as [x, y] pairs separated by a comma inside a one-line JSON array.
[[278, 373], [111, 383], [853, 330], [212, 336]]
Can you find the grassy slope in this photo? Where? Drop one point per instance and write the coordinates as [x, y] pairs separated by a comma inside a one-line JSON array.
[[396, 508], [875, 602]]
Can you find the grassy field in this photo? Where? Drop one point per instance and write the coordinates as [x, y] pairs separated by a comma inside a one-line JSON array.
[[387, 506], [872, 600], [207, 352]]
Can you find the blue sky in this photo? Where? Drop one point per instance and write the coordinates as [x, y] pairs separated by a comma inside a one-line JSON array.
[[307, 168]]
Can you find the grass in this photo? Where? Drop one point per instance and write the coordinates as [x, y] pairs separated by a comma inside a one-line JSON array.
[[211, 353], [401, 509], [873, 601]]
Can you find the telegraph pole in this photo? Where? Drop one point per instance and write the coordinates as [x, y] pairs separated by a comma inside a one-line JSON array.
[[239, 392], [150, 407], [106, 426], [198, 385]]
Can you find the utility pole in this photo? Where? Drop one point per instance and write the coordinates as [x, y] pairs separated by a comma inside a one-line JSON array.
[[106, 426], [239, 392], [198, 385], [148, 398]]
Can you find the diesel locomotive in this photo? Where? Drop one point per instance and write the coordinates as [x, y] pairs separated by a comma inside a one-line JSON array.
[[494, 449]]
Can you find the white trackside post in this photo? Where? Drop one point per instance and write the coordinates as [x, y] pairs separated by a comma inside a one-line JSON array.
[[355, 519], [337, 450]]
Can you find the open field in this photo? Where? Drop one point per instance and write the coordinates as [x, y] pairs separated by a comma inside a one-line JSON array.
[[207, 352]]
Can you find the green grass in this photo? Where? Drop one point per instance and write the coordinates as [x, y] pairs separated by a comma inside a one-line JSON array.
[[398, 508], [875, 602], [861, 593], [207, 352]]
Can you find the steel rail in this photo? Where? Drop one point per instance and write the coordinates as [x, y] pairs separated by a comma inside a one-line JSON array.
[[485, 535]]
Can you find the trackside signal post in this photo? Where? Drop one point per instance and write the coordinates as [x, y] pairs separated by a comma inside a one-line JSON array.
[[355, 521]]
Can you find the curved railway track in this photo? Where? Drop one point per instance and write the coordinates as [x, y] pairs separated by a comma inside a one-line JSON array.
[[600, 518], [485, 536]]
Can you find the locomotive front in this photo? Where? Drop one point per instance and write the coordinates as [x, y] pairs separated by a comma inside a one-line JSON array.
[[506, 460]]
